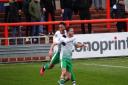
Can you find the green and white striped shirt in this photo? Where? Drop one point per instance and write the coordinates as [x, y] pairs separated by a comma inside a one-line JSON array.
[[66, 50]]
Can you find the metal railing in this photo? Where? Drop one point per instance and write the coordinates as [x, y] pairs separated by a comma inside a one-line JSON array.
[[27, 40], [31, 50]]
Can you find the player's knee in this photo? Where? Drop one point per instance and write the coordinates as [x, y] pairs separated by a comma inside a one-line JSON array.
[[63, 71]]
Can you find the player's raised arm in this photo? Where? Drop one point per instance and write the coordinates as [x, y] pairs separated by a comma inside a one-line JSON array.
[[79, 45]]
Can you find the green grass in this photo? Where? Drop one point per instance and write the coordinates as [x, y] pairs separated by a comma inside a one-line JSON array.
[[105, 71]]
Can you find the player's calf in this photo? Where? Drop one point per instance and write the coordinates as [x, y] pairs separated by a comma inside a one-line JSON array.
[[62, 80]]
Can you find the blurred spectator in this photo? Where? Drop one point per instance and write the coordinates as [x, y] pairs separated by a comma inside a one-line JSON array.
[[48, 7], [41, 27], [66, 8], [13, 15], [27, 15], [98, 4], [84, 13], [126, 6], [112, 2], [75, 7], [126, 9], [118, 12], [1, 7], [35, 12], [6, 5], [20, 4]]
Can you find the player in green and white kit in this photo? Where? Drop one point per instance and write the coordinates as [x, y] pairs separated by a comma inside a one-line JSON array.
[[55, 56], [67, 46]]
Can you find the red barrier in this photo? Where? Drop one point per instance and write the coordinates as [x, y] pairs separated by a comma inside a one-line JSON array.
[[6, 25], [6, 34], [8, 1], [67, 22], [49, 26], [108, 12]]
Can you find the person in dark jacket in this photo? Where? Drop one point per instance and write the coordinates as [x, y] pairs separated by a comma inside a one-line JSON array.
[[98, 4], [118, 11], [13, 16], [6, 7], [27, 15], [67, 9], [84, 13], [35, 12], [112, 2], [48, 7], [13, 12]]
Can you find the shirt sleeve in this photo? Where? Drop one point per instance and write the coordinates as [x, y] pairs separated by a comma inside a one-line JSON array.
[[60, 40], [74, 41], [66, 40], [55, 37], [69, 40]]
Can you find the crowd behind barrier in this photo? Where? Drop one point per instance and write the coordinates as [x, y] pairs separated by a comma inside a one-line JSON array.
[[41, 10]]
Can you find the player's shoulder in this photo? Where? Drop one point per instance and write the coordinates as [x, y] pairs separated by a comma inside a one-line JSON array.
[[57, 32], [65, 32], [71, 39], [74, 37]]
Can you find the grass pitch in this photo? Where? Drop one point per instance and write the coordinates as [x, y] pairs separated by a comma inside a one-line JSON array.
[[105, 71]]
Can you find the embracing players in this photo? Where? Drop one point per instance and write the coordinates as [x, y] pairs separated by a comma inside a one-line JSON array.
[[54, 53], [67, 47]]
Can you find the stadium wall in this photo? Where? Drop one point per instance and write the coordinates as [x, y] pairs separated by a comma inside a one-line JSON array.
[[97, 45]]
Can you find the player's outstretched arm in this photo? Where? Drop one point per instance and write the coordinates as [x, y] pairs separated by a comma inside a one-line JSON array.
[[80, 45], [68, 40]]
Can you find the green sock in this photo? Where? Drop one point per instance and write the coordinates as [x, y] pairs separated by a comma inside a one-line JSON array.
[[46, 66], [73, 76]]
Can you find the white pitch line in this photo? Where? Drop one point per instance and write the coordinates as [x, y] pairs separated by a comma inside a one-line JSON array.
[[111, 66]]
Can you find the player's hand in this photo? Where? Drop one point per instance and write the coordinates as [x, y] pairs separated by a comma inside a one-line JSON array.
[[82, 45], [20, 12], [62, 11], [85, 45], [44, 10]]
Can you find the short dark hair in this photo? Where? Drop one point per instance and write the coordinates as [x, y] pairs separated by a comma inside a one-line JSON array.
[[69, 28], [62, 23]]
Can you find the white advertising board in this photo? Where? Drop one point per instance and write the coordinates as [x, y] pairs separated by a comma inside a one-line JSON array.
[[102, 45]]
